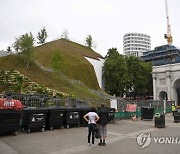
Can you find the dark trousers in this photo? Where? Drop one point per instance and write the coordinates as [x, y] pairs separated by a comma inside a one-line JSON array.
[[91, 131]]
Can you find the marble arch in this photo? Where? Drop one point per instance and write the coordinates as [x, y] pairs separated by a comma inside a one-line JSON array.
[[166, 82]]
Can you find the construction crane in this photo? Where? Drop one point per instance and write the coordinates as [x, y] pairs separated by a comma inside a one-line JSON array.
[[168, 35]]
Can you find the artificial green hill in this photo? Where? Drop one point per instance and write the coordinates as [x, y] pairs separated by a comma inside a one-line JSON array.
[[74, 66]]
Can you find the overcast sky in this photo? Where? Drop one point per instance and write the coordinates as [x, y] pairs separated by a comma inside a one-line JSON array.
[[105, 20]]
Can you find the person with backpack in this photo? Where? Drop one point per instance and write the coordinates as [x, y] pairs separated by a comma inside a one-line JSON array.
[[92, 118], [103, 121]]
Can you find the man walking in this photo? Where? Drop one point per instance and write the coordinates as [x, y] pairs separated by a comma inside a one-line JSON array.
[[103, 120]]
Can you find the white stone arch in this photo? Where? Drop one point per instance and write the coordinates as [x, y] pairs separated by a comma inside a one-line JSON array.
[[176, 90], [163, 95], [166, 78], [177, 78]]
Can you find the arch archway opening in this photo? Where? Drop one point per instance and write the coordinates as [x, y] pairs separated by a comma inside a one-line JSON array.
[[177, 91], [163, 96]]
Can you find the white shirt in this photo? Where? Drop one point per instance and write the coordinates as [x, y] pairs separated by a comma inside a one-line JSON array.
[[92, 117]]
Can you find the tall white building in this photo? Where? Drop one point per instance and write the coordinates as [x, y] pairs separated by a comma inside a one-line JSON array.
[[136, 43]]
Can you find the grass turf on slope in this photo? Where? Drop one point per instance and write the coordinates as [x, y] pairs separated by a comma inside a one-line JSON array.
[[49, 79], [73, 64]]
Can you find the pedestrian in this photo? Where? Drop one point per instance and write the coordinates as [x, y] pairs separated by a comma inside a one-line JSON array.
[[92, 118], [102, 124], [173, 108]]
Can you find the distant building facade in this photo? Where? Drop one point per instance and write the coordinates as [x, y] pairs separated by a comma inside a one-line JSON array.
[[162, 55], [136, 43]]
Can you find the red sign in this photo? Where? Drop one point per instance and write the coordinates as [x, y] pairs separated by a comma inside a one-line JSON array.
[[10, 104], [131, 108]]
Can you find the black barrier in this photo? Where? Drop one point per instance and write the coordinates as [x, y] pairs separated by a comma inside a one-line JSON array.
[[9, 121], [177, 116], [55, 118], [72, 117], [147, 113], [159, 120], [34, 119], [111, 114]]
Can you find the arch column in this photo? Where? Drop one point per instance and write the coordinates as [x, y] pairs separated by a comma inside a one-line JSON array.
[[168, 84], [154, 86]]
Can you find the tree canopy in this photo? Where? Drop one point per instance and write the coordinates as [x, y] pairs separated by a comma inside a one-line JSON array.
[[140, 78], [89, 42], [42, 35], [65, 34], [126, 74], [115, 72], [25, 44]]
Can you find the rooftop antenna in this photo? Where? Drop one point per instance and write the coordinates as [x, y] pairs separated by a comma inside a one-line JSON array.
[[168, 35]]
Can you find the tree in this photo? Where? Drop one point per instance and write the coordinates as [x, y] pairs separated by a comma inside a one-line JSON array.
[[115, 72], [9, 49], [125, 75], [112, 53], [140, 79], [146, 89], [65, 34], [88, 41], [16, 44], [25, 44], [56, 60], [42, 35], [133, 72]]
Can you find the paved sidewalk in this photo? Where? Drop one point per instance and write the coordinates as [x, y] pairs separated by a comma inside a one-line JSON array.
[[122, 136]]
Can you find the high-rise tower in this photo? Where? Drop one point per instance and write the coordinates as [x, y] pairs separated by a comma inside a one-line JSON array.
[[136, 43]]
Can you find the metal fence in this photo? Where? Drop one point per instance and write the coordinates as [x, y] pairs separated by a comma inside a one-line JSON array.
[[122, 103], [43, 101], [159, 107]]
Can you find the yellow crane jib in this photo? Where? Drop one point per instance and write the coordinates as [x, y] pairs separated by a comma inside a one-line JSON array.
[[168, 36]]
